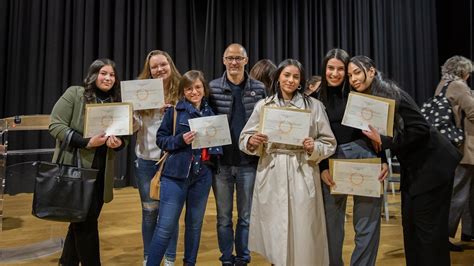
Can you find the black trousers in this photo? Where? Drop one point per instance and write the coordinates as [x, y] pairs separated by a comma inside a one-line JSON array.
[[82, 239], [425, 226]]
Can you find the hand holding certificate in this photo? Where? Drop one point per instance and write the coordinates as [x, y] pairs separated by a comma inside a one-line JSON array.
[[286, 125], [210, 131], [143, 94], [109, 118], [356, 177], [363, 110]]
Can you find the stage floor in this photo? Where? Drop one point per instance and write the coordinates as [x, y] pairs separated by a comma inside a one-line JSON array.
[[121, 242]]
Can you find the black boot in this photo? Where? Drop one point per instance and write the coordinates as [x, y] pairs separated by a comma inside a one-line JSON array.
[[466, 237], [455, 248]]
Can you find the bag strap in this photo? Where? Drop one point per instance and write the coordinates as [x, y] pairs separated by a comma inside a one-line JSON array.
[[165, 155], [175, 115], [64, 145], [445, 88]]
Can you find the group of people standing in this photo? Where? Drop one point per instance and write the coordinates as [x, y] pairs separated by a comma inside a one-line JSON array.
[[284, 206]]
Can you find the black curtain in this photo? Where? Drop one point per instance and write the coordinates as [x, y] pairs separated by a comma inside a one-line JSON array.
[[456, 30], [47, 45]]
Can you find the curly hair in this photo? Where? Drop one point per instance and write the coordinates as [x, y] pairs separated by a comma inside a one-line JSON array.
[[456, 67]]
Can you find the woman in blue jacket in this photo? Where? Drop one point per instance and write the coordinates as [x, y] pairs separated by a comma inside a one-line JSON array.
[[187, 173]]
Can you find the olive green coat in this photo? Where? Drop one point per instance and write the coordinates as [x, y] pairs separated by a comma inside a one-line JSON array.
[[68, 112]]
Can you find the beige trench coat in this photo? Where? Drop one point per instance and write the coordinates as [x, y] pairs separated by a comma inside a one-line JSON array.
[[287, 222], [461, 99]]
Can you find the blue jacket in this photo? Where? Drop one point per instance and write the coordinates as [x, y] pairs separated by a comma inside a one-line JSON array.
[[181, 157]]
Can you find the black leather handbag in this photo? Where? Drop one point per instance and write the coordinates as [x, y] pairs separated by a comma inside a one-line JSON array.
[[63, 192]]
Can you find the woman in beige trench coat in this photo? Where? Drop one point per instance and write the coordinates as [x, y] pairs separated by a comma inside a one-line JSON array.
[[287, 223]]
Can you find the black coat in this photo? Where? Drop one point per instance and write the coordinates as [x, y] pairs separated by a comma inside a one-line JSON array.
[[427, 159]]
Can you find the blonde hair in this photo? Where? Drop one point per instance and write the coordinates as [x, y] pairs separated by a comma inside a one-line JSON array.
[[171, 93], [456, 67]]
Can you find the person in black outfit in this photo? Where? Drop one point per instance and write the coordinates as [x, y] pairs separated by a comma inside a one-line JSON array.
[[352, 144], [427, 161]]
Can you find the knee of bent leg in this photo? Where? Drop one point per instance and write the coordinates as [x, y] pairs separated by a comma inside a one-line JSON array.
[[150, 208]]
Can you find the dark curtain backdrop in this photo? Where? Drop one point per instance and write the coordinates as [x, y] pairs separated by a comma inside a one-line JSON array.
[[47, 45]]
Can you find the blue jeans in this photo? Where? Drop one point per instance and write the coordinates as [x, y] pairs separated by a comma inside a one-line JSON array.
[[174, 193], [144, 172], [241, 179]]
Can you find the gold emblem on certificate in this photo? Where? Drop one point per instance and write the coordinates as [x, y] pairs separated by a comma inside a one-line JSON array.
[[363, 110], [356, 176], [143, 94], [210, 131], [285, 125], [109, 118]]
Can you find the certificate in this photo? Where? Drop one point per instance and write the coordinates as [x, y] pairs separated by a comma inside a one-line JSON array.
[[143, 94], [109, 118], [363, 110], [211, 131], [356, 177], [285, 125]]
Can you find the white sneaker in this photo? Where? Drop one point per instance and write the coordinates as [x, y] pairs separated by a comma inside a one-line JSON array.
[[167, 262], [144, 262]]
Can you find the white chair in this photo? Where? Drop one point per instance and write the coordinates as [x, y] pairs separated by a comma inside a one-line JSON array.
[[394, 171], [392, 178]]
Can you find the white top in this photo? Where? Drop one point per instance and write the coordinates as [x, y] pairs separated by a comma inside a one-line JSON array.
[[147, 126]]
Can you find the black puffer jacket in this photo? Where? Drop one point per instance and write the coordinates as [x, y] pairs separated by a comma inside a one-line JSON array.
[[221, 95], [221, 101]]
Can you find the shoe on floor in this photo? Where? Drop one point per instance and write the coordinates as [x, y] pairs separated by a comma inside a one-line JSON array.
[[466, 237], [168, 262], [455, 248]]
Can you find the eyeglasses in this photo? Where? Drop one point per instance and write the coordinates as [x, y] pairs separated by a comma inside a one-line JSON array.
[[192, 89], [237, 59]]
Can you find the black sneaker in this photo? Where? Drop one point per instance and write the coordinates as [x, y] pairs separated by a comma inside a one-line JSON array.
[[455, 248]]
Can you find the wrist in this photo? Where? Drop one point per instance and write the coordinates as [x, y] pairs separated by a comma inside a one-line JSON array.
[[250, 147]]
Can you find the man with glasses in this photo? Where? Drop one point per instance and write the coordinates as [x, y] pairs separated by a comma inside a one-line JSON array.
[[235, 94]]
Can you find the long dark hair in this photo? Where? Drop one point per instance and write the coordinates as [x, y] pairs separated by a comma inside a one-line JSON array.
[[342, 56], [276, 84], [90, 79], [380, 85]]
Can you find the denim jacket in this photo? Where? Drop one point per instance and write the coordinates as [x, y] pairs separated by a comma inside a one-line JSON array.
[[181, 157]]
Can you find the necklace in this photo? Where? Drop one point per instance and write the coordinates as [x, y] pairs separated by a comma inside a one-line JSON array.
[[99, 100]]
